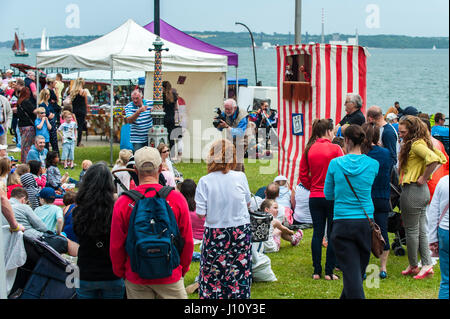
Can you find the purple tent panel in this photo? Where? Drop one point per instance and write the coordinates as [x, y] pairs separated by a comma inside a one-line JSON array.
[[169, 33]]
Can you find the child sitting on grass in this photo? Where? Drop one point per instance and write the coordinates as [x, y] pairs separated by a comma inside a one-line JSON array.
[[39, 173], [277, 230], [50, 214], [84, 167], [14, 178], [68, 133], [54, 178]]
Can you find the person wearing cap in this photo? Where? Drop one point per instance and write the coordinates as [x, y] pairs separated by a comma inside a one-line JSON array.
[[396, 109], [50, 214], [392, 119], [8, 76], [148, 166]]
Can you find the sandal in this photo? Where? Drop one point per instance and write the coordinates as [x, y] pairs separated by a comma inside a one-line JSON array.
[[332, 277], [316, 276]]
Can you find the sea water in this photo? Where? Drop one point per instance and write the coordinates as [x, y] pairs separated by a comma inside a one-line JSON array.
[[414, 77]]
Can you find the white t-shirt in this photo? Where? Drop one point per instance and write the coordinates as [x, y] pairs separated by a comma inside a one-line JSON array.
[[301, 212], [223, 199]]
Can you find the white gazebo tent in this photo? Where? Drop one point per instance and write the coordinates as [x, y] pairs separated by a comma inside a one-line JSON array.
[[127, 49]]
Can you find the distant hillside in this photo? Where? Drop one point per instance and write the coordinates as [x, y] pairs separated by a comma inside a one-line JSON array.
[[242, 39]]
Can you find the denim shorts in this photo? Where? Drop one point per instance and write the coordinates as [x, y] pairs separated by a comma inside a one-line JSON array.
[[68, 151]]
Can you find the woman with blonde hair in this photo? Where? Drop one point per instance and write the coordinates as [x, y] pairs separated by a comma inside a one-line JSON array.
[[418, 159], [78, 96], [222, 198], [121, 163]]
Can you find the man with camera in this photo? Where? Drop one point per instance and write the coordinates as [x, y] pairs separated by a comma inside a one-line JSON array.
[[237, 127]]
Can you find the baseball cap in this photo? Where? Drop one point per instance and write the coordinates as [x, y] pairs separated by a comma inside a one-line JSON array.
[[47, 193], [3, 147], [147, 155], [9, 71], [280, 178], [391, 116]]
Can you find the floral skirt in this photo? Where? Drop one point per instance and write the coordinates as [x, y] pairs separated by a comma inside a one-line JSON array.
[[27, 135], [226, 263]]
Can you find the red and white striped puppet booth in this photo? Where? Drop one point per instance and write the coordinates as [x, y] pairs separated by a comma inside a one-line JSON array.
[[333, 71]]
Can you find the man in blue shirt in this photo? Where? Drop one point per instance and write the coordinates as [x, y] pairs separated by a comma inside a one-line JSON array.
[[38, 152], [388, 134], [439, 129], [235, 125], [138, 114]]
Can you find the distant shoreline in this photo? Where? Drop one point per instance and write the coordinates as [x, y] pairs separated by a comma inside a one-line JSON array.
[[242, 39]]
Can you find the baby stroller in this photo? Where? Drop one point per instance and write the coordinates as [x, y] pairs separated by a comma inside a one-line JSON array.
[[130, 169], [44, 275], [395, 223]]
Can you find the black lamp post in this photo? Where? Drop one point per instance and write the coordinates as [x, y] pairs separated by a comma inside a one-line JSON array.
[[253, 47]]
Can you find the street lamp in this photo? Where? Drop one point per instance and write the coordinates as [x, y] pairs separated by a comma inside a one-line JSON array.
[[253, 47]]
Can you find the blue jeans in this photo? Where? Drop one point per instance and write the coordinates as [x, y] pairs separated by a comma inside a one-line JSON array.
[[321, 213], [111, 289], [443, 262], [137, 146]]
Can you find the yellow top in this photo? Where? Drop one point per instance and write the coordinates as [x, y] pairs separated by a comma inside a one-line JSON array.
[[420, 156]]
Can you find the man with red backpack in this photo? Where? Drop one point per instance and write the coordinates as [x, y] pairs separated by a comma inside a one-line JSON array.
[[151, 235]]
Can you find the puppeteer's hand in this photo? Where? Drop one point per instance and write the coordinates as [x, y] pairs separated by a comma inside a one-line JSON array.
[[223, 124]]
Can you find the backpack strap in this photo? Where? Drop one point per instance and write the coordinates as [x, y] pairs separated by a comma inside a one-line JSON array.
[[133, 194], [165, 191]]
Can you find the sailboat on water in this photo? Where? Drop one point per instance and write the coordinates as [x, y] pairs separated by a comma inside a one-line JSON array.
[[45, 41], [19, 47]]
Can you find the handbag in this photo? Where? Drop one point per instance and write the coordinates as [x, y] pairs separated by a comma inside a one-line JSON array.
[[378, 241], [260, 225], [435, 251]]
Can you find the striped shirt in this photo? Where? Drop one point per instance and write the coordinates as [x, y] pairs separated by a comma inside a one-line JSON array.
[[139, 129]]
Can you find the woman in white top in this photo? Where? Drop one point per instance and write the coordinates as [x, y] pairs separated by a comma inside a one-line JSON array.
[[300, 203], [223, 197]]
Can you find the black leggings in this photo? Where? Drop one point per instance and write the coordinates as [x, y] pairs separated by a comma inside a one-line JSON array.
[[81, 121], [352, 241]]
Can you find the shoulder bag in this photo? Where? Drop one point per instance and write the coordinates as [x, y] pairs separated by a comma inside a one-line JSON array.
[[378, 241]]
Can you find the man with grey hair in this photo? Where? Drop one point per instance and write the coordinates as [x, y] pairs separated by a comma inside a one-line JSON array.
[[138, 114], [388, 134], [237, 128], [38, 152], [353, 104], [148, 166]]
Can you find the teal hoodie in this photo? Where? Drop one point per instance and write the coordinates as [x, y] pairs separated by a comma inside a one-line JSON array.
[[361, 171]]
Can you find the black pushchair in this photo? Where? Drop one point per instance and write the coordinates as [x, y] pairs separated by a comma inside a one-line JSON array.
[[395, 223], [44, 275]]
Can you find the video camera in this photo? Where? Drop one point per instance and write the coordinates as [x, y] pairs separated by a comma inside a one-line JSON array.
[[218, 118]]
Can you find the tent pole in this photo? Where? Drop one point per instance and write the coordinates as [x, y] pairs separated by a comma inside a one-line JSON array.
[[37, 85], [237, 84], [111, 120]]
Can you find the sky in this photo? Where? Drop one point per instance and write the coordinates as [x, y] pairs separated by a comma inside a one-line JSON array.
[[97, 17]]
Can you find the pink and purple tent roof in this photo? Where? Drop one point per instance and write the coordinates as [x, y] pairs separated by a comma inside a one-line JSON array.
[[169, 33]]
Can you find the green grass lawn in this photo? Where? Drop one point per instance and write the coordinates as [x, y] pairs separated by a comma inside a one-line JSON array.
[[292, 265]]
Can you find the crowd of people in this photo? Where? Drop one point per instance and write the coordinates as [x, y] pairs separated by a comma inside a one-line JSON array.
[[345, 174]]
